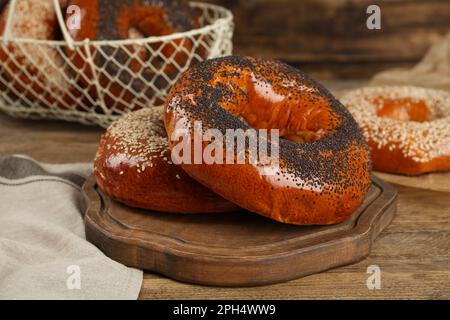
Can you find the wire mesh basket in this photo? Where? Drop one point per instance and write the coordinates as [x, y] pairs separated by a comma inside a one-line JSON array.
[[95, 82]]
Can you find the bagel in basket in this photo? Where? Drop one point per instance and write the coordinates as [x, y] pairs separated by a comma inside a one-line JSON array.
[[124, 71], [133, 165], [35, 72]]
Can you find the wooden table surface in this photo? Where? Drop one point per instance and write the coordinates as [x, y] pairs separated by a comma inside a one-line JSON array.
[[413, 253]]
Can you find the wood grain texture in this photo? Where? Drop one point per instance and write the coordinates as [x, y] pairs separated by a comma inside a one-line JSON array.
[[47, 140], [329, 38], [413, 252], [232, 249]]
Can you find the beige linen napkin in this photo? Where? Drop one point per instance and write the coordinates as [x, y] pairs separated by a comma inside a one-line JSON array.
[[432, 72], [43, 251]]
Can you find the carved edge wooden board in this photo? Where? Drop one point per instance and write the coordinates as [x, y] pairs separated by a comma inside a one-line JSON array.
[[314, 250]]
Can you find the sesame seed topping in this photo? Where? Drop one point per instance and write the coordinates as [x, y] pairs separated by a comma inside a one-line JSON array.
[[140, 137], [420, 141]]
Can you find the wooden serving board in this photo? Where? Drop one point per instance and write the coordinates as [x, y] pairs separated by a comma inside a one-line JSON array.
[[233, 249]]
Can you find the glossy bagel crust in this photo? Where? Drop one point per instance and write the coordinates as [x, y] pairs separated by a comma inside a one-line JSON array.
[[133, 165], [324, 170], [118, 66], [407, 128]]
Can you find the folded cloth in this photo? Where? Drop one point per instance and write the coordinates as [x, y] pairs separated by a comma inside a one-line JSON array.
[[432, 72], [43, 250]]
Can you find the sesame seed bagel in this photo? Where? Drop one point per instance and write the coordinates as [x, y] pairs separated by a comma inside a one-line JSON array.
[[36, 71], [323, 173], [407, 128], [133, 165]]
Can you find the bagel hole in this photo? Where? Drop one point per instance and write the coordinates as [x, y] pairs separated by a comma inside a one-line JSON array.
[[316, 128], [300, 119], [303, 132], [302, 137], [405, 109]]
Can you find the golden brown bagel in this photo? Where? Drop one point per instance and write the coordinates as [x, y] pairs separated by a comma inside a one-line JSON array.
[[35, 71], [407, 128], [133, 166], [324, 169], [124, 72]]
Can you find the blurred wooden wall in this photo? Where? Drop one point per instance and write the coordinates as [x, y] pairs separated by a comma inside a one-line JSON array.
[[329, 38]]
